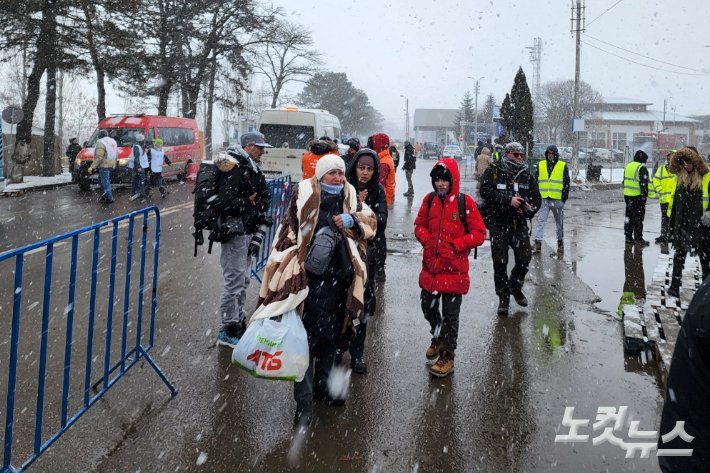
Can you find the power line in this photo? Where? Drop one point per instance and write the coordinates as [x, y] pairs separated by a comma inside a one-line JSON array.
[[643, 55], [605, 12], [641, 64]]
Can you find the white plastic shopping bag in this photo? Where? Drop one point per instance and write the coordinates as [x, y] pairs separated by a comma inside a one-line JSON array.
[[275, 348]]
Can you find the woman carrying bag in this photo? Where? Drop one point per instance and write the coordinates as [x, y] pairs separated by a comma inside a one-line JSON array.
[[328, 292]]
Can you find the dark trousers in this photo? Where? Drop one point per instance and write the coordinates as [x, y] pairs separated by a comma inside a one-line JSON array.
[[518, 239], [321, 354], [665, 221], [446, 322], [635, 213], [357, 345], [156, 179], [138, 182], [679, 260]]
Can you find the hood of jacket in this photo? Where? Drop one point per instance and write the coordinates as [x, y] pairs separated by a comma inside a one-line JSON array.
[[452, 168], [351, 173], [322, 147], [486, 151], [236, 156], [687, 154], [555, 151], [378, 142]]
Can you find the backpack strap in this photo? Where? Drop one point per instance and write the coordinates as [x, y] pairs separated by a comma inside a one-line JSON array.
[[430, 200], [462, 211]]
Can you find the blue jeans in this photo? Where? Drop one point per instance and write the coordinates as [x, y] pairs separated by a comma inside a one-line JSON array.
[[138, 182], [558, 211], [105, 179]]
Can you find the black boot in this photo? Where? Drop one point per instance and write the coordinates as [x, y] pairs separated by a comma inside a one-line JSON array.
[[503, 305], [304, 415]]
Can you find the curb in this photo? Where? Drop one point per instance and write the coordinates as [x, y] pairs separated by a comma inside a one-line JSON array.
[[18, 192]]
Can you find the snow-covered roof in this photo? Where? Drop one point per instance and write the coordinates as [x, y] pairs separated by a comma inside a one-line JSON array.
[[644, 116], [435, 117], [626, 101]]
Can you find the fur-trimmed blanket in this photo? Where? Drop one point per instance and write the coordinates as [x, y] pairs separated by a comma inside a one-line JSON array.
[[284, 285]]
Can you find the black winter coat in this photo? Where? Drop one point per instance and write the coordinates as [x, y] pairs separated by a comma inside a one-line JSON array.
[[324, 308], [689, 389], [73, 150], [498, 187], [376, 200], [234, 188], [410, 160]]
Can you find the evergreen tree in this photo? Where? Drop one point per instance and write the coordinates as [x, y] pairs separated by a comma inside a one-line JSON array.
[[506, 119], [518, 120], [486, 115], [465, 115]]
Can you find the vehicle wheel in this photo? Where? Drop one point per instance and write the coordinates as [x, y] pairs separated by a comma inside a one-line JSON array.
[[182, 177]]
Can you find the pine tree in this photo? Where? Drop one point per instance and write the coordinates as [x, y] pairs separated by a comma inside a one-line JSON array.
[[506, 119], [518, 121], [486, 115], [465, 114]]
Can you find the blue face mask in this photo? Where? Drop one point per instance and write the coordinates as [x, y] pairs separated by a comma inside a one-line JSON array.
[[442, 194], [331, 189]]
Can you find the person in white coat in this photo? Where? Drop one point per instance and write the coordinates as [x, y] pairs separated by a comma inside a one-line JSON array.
[[157, 158]]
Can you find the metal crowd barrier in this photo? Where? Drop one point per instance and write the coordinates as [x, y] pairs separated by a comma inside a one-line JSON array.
[[131, 352], [280, 190]]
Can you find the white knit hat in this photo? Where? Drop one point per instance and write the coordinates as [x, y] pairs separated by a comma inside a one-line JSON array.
[[327, 163]]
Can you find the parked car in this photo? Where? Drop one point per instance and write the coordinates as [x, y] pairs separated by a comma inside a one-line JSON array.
[[538, 151], [618, 155], [603, 154], [431, 150], [566, 153], [452, 151], [181, 142]]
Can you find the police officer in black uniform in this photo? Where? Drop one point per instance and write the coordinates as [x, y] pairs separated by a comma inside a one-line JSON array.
[[511, 196]]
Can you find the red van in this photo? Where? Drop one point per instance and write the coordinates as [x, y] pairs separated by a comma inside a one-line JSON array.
[[181, 142]]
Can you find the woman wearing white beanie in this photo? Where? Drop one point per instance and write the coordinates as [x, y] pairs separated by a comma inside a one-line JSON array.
[[332, 303]]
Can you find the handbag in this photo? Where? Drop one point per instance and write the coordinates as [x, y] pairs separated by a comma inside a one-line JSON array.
[[320, 251]]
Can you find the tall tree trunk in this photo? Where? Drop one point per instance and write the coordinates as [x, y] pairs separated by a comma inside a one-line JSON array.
[[164, 97], [89, 15], [60, 109], [210, 102], [49, 118]]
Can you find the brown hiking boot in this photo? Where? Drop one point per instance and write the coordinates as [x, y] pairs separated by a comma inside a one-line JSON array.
[[503, 305], [560, 248], [433, 351], [537, 247], [444, 366]]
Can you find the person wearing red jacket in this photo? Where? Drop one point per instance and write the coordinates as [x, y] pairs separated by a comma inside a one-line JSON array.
[[444, 275]]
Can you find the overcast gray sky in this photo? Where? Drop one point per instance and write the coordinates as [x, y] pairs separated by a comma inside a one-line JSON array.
[[427, 49]]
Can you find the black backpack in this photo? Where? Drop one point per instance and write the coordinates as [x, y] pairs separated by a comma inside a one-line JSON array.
[[205, 191]]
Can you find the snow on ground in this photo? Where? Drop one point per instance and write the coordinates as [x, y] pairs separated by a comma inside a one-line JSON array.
[[31, 182]]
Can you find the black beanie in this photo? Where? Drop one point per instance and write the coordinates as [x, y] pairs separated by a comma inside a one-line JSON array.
[[440, 172], [640, 156]]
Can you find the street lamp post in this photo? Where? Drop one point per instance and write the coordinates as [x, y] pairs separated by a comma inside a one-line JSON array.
[[476, 87], [406, 125]]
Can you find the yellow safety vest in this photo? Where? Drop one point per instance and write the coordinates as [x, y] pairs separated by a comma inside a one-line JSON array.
[[551, 185], [632, 187], [664, 182]]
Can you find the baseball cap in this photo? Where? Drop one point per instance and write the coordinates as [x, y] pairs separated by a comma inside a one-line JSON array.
[[256, 138]]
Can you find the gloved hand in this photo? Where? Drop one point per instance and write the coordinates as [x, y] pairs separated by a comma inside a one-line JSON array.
[[705, 220]]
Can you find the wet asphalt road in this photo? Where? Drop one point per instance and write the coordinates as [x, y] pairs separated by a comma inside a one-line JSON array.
[[500, 410]]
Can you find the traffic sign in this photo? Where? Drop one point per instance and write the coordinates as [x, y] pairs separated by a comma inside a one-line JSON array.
[[499, 128], [12, 115], [461, 138]]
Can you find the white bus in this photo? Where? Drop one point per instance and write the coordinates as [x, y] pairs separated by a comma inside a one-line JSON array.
[[289, 130]]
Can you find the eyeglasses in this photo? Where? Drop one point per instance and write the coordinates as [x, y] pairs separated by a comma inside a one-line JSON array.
[[517, 155]]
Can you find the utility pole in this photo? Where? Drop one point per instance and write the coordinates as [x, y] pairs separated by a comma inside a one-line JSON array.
[[579, 17], [406, 117], [476, 88]]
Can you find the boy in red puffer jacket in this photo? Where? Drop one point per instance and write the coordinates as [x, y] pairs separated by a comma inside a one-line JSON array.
[[444, 275]]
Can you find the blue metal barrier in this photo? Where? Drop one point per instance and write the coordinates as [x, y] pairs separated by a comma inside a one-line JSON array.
[[130, 354], [280, 190]]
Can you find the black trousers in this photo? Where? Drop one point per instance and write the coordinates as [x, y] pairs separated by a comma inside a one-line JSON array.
[[446, 322], [679, 260], [635, 213], [316, 379], [357, 345], [503, 238], [665, 221]]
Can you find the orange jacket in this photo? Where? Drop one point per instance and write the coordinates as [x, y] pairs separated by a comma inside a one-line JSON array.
[[387, 179], [308, 164]]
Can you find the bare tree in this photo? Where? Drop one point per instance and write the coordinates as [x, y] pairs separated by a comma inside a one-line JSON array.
[[286, 56], [555, 106]]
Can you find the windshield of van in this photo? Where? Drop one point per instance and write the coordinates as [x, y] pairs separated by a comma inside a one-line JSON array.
[[124, 136], [287, 136]]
